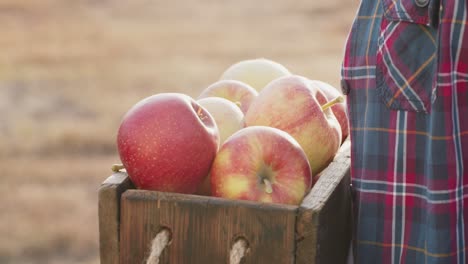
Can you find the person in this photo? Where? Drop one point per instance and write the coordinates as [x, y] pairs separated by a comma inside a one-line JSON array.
[[405, 73]]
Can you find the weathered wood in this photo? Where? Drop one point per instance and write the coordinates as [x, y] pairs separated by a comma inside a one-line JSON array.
[[204, 228], [323, 223], [109, 214]]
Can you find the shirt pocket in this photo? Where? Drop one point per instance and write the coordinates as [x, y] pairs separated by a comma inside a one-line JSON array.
[[407, 53]]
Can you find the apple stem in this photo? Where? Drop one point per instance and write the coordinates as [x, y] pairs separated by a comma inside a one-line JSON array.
[[200, 113], [268, 187], [338, 99], [117, 167]]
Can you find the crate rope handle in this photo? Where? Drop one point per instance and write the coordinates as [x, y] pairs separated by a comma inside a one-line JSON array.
[[159, 243], [238, 251], [162, 240]]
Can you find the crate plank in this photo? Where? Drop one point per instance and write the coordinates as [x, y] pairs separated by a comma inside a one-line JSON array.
[[204, 228], [324, 218], [109, 214]]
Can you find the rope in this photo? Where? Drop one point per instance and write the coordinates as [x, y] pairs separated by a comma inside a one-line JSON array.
[[160, 241], [238, 251]]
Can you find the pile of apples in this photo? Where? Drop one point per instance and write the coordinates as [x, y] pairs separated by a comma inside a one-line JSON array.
[[260, 133]]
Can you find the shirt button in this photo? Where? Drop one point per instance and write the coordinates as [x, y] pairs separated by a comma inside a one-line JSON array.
[[421, 3], [344, 87]]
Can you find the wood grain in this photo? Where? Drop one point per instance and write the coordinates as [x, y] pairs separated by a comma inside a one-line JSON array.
[[205, 228], [109, 216], [323, 224]]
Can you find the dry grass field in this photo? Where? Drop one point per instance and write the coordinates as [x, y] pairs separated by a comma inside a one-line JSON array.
[[69, 70]]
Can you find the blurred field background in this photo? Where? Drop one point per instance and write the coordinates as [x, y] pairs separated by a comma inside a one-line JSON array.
[[69, 70]]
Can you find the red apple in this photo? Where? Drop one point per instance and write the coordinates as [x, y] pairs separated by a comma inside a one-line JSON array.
[[293, 105], [256, 73], [167, 142], [261, 164], [338, 109], [237, 92]]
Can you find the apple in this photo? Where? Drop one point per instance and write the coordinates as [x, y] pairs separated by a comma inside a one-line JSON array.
[[237, 92], [261, 164], [338, 109], [167, 142], [229, 119], [256, 73], [227, 115], [295, 106]]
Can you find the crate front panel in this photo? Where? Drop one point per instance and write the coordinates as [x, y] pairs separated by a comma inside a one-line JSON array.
[[204, 228]]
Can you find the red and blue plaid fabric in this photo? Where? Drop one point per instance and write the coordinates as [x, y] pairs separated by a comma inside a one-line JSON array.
[[405, 71]]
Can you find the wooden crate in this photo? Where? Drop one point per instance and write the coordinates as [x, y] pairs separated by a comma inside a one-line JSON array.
[[204, 229]]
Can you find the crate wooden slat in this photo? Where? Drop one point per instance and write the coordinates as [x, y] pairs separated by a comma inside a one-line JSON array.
[[324, 216], [204, 228], [109, 215]]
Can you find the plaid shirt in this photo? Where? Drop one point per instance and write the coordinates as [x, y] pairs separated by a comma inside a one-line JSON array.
[[405, 71]]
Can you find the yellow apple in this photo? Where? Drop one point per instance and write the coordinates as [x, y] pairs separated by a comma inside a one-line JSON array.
[[256, 73]]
